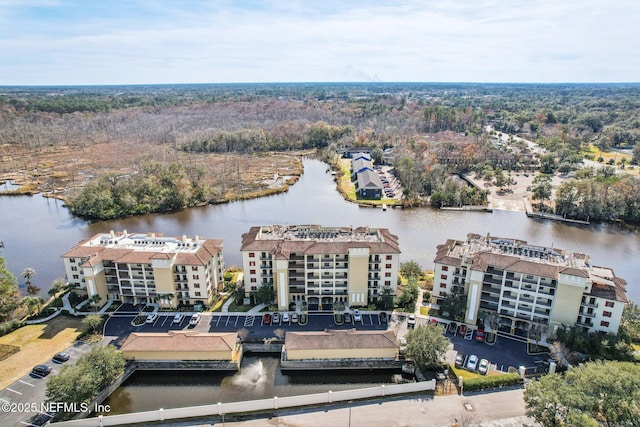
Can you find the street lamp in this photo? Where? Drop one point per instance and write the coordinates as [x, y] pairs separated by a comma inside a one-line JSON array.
[[350, 404]]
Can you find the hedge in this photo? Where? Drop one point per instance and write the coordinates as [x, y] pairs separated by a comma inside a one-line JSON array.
[[492, 381]]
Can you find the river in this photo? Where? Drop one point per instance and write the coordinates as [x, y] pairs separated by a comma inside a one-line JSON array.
[[36, 230]]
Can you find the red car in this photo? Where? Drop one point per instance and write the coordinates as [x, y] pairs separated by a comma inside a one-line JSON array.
[[266, 320], [480, 335]]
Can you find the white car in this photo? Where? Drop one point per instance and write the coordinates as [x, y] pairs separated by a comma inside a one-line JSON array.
[[472, 362], [411, 321], [195, 319], [357, 317], [483, 367], [294, 318], [285, 317], [178, 318], [152, 317]]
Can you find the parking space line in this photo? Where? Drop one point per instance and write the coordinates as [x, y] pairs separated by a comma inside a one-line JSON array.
[[218, 320], [237, 318], [17, 392], [29, 424], [24, 382], [165, 320], [5, 401]]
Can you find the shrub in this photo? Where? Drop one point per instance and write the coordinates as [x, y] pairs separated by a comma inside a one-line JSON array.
[[7, 327], [492, 381]]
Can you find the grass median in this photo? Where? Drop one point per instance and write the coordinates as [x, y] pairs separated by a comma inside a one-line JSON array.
[[37, 344]]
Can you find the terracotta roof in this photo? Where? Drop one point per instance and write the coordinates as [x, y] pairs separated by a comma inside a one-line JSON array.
[[340, 339], [180, 341]]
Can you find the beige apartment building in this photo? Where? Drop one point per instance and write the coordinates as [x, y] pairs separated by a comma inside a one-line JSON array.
[[527, 285], [321, 265], [146, 268]]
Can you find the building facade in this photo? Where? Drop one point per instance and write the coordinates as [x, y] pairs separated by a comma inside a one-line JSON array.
[[527, 286], [321, 265], [146, 268]]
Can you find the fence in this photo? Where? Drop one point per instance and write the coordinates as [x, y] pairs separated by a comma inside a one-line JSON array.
[[252, 405]]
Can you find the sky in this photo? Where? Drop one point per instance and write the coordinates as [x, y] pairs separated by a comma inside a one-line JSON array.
[[80, 42]]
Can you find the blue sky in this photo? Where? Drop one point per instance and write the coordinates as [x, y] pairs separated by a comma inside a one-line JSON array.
[[172, 41]]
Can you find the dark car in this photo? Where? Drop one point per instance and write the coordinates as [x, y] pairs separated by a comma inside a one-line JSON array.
[[266, 319], [383, 317], [41, 370], [61, 357], [347, 318], [459, 360]]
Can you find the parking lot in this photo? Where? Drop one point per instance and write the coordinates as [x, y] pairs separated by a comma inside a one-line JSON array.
[[119, 325], [24, 398]]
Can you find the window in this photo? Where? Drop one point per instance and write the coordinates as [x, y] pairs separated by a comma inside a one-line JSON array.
[[253, 280], [445, 268], [606, 313], [443, 285], [387, 274], [194, 268], [442, 293], [252, 254], [254, 288], [197, 294], [74, 268], [252, 272], [196, 285], [605, 324], [196, 276], [388, 265], [608, 304], [387, 282], [389, 257], [252, 263], [443, 276], [75, 276]]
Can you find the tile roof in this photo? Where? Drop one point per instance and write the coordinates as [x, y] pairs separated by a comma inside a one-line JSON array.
[[340, 339], [180, 341]]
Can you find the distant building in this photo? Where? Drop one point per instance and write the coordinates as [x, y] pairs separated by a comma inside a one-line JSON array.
[[361, 165], [369, 185], [321, 265], [528, 285], [348, 153], [146, 268]]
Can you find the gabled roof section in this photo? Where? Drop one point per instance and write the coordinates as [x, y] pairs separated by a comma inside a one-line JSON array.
[[369, 180]]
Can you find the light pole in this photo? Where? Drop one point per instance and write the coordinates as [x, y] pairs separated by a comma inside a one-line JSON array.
[[350, 404]]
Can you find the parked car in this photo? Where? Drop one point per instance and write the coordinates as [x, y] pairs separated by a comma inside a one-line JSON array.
[[276, 318], [294, 318], [178, 318], [195, 319], [411, 321], [152, 317], [459, 360], [472, 362], [266, 320], [483, 367], [480, 335], [347, 318], [357, 317], [61, 357], [41, 370], [285, 317]]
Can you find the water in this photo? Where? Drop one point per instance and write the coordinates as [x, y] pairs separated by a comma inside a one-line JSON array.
[[37, 230], [259, 378]]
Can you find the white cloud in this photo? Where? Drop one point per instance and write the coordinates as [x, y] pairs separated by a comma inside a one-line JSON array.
[[413, 40]]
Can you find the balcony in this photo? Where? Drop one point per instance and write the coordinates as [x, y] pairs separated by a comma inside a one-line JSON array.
[[511, 284], [509, 295], [489, 305], [265, 265], [313, 265], [507, 312], [124, 275], [587, 304], [542, 302], [587, 314], [341, 276], [296, 274], [491, 289], [510, 305], [586, 323], [490, 279], [313, 276], [541, 312], [113, 288], [486, 297], [528, 309]]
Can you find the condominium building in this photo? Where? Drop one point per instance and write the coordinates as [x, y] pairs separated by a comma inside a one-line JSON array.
[[526, 285], [146, 268], [321, 265]]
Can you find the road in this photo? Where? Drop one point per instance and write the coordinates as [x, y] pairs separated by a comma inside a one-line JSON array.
[[504, 408]]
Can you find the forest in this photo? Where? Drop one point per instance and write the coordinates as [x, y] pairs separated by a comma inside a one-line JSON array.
[[219, 140]]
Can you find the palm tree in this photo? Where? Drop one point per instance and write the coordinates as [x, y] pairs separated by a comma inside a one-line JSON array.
[[28, 273], [95, 299]]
